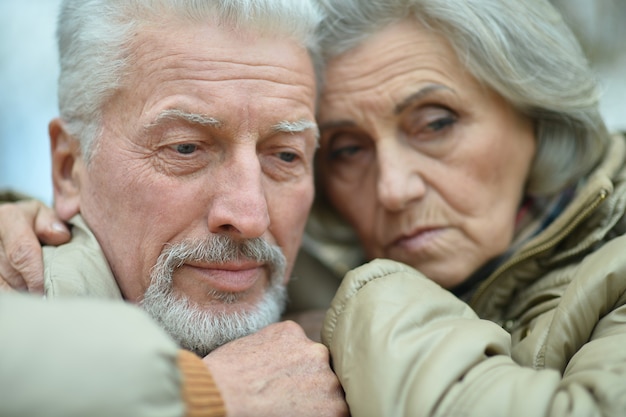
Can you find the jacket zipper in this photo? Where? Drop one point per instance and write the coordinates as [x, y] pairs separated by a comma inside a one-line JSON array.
[[529, 253]]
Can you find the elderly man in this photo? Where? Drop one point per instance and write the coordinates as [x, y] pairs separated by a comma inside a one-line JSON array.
[[183, 158]]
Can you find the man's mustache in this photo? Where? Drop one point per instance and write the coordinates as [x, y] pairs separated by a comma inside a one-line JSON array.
[[221, 249]]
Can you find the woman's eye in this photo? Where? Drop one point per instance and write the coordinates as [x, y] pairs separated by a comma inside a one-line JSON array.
[[427, 122], [342, 145], [440, 124], [185, 148], [344, 152]]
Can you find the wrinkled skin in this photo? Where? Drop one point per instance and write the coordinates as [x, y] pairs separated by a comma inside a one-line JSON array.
[[426, 164], [162, 177]]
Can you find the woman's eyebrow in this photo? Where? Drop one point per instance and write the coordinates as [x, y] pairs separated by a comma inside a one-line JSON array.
[[419, 95], [333, 124]]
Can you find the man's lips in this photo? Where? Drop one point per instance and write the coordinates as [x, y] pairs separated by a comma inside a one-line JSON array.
[[230, 277]]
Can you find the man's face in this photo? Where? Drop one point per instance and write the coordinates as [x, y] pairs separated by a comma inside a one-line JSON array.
[[213, 134]]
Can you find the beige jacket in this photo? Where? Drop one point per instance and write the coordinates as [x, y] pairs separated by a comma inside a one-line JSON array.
[[545, 334]]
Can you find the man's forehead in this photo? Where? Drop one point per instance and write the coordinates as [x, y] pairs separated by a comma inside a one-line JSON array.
[[220, 69], [219, 43]]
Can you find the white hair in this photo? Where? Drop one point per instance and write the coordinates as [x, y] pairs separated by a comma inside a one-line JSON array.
[[521, 49], [94, 37]]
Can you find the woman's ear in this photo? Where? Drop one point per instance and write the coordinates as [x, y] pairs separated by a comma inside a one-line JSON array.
[[66, 164]]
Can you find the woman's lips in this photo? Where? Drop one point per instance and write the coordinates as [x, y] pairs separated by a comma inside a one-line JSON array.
[[418, 240]]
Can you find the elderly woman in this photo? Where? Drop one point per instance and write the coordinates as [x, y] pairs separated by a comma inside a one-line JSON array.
[[463, 139]]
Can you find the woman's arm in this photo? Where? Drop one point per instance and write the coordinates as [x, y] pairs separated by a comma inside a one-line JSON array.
[[403, 346]]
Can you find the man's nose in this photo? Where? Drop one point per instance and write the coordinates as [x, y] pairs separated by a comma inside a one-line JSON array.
[[399, 179], [240, 207]]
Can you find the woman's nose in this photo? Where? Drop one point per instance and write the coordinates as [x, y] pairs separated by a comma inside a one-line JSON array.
[[399, 179]]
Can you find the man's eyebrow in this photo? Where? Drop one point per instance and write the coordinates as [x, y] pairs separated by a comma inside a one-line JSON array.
[[181, 115], [298, 126], [419, 95]]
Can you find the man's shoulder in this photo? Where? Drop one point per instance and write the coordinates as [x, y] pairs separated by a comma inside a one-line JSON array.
[[79, 267]]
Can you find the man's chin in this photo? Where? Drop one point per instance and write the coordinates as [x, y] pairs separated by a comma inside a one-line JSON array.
[[202, 328], [219, 308]]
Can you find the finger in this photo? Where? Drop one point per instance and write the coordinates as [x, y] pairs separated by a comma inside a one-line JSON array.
[[10, 279], [26, 259], [49, 228], [21, 262], [4, 286]]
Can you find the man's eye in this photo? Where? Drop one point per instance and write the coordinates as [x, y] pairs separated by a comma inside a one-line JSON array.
[[186, 148], [287, 156]]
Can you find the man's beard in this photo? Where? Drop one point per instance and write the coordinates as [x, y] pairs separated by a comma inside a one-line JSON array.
[[201, 330]]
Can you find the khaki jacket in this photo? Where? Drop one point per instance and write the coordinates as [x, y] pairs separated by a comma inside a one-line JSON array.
[[80, 358], [544, 335], [78, 268]]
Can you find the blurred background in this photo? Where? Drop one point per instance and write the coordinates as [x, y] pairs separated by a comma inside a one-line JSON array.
[[29, 69], [601, 28], [28, 74]]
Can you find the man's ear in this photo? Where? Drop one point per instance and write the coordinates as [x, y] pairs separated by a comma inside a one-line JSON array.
[[67, 163]]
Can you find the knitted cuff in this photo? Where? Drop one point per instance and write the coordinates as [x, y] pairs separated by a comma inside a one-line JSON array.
[[199, 392]]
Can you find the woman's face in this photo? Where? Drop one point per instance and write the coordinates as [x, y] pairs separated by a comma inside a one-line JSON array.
[[427, 165]]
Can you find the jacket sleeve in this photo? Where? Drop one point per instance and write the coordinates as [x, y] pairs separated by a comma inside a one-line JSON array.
[[9, 196], [95, 358], [403, 346]]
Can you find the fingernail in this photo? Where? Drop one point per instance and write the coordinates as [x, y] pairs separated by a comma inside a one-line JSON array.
[[59, 227]]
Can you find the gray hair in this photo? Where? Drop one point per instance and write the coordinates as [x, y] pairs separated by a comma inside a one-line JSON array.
[[521, 49], [94, 38]]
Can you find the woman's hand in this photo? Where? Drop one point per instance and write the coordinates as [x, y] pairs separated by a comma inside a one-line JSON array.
[[23, 225]]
